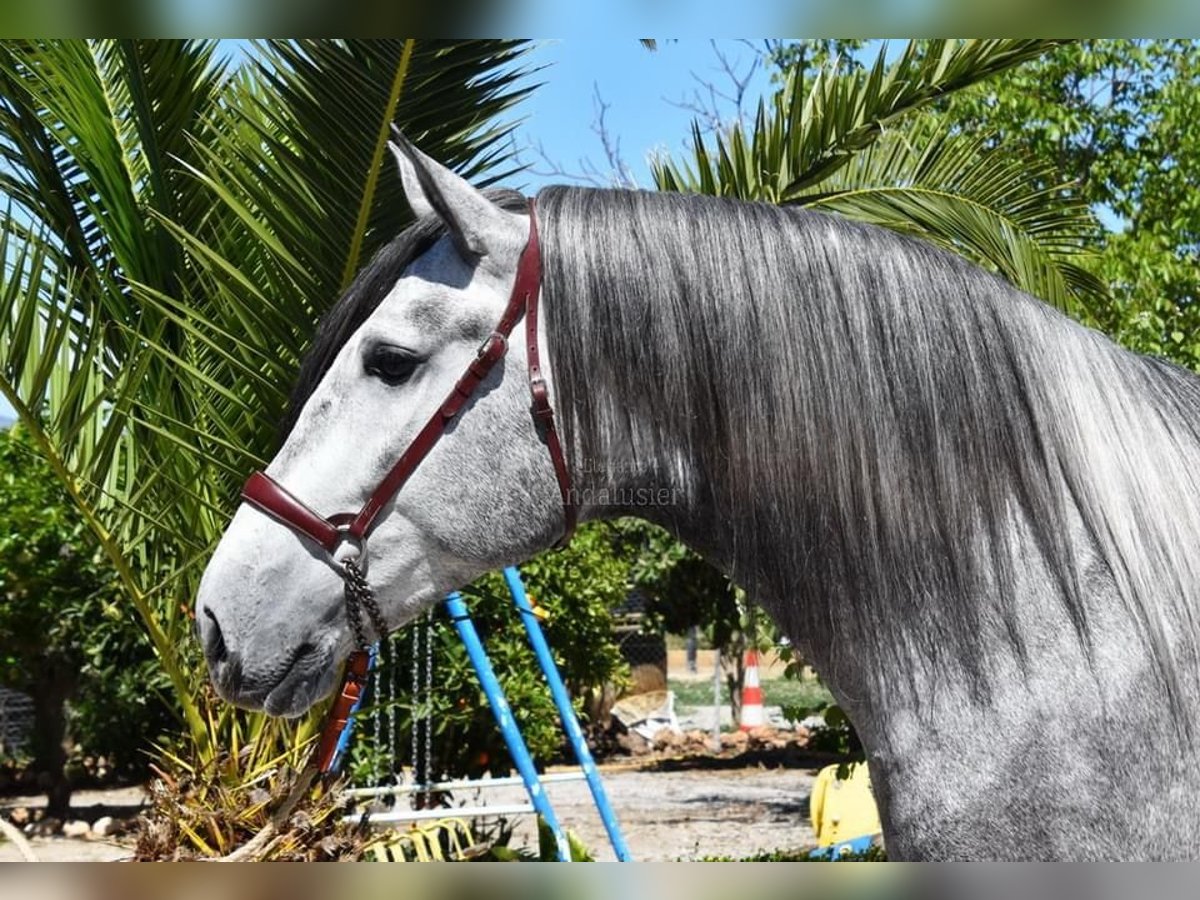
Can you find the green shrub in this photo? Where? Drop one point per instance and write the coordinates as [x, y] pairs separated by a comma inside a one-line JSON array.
[[66, 638]]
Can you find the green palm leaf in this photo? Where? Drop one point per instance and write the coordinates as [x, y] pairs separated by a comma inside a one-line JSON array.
[[861, 144], [300, 199], [990, 205]]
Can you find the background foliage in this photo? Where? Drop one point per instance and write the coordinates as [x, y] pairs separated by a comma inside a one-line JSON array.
[[66, 639], [1119, 121]]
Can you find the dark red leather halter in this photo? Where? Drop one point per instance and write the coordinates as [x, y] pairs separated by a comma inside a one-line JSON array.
[[344, 535]]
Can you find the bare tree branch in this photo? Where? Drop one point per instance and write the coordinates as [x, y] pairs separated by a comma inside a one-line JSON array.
[[617, 172], [719, 102], [621, 174]]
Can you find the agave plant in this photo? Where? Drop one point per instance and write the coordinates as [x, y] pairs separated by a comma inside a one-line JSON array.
[[176, 218], [868, 144]]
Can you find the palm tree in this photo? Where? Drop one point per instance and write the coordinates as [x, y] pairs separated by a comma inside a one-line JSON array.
[[868, 143], [177, 216]]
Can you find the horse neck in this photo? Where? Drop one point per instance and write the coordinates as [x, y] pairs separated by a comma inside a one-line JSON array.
[[917, 470]]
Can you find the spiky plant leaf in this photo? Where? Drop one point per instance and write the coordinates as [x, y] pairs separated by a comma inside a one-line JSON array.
[[861, 144], [174, 227], [993, 206]]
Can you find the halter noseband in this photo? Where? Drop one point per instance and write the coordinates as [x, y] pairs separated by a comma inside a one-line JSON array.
[[344, 535]]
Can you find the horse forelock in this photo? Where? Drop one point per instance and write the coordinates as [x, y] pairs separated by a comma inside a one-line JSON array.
[[368, 289]]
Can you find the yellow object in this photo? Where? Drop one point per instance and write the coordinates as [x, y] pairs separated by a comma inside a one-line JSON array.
[[540, 611], [843, 809], [425, 844]]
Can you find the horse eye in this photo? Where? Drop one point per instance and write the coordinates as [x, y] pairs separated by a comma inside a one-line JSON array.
[[390, 364]]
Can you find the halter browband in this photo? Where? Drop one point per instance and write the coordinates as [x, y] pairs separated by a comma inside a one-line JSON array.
[[346, 533]]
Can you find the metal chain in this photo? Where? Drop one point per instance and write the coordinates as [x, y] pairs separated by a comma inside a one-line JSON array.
[[413, 698], [354, 588], [427, 762], [393, 746], [376, 614], [359, 595], [377, 725]]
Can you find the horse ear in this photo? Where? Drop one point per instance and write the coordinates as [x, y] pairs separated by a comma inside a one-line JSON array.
[[432, 189]]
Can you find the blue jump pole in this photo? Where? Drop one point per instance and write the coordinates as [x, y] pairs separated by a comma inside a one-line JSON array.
[[566, 712], [461, 618]]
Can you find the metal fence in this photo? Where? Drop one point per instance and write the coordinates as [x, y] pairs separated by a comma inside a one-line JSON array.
[[16, 721]]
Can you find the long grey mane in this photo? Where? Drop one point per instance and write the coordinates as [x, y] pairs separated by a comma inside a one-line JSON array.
[[882, 427]]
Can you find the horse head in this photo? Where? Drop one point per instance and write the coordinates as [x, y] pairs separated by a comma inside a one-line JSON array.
[[271, 608]]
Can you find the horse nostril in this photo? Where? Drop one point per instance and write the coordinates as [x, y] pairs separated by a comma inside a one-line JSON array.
[[214, 640]]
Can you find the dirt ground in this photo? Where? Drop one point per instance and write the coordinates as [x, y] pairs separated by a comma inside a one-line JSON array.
[[686, 810], [87, 806], [668, 810]]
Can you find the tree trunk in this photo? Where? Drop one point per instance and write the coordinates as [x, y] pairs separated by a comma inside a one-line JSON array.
[[733, 661], [50, 738]]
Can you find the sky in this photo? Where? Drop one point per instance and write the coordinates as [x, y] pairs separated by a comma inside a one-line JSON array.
[[643, 90]]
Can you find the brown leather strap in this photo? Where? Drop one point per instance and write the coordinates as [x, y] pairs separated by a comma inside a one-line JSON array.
[[491, 351], [268, 495], [358, 666], [271, 497], [543, 411]]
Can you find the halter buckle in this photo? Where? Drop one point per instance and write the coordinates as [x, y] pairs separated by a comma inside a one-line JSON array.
[[494, 346], [540, 393]]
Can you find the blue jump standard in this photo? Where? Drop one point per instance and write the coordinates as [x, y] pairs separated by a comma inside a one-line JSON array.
[[566, 712], [844, 848], [457, 609], [461, 617]]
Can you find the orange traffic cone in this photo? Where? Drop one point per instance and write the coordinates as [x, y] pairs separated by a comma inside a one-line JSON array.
[[753, 714]]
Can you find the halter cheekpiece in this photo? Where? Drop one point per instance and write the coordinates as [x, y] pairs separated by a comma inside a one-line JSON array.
[[344, 536]]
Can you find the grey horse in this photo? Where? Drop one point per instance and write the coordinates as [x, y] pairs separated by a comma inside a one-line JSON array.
[[977, 518]]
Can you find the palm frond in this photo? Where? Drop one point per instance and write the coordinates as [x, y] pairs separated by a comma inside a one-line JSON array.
[[801, 136], [863, 144], [995, 207], [174, 228], [424, 843], [299, 201]]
